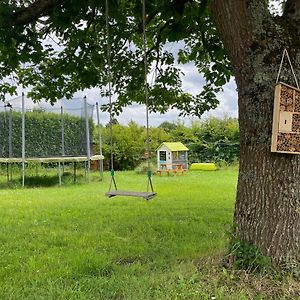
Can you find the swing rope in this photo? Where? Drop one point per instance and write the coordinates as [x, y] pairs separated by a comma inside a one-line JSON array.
[[149, 174], [147, 195], [112, 172], [285, 53]]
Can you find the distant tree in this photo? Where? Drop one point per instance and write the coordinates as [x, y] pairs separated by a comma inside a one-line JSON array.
[[113, 121], [216, 140], [128, 145], [157, 136], [215, 129], [183, 134], [167, 126]]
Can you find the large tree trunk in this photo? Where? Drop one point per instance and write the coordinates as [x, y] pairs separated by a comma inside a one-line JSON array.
[[268, 196]]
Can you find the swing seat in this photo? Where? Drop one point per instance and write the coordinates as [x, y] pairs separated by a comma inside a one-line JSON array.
[[144, 195]]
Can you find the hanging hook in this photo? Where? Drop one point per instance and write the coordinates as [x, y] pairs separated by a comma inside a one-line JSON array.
[[285, 52]]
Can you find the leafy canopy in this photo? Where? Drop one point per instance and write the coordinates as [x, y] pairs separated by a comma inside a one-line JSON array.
[[61, 48]]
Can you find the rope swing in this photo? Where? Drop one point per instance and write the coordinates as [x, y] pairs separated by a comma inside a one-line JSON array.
[[149, 194]]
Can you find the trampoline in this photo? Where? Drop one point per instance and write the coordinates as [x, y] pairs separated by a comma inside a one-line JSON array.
[[27, 138]]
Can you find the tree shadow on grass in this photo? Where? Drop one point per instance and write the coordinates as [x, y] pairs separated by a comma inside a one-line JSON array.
[[41, 181]]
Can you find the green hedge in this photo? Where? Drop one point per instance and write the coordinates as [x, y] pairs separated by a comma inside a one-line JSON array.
[[43, 134], [218, 151]]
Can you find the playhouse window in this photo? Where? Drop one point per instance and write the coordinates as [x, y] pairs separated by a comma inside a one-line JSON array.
[[162, 155], [175, 155], [182, 155]]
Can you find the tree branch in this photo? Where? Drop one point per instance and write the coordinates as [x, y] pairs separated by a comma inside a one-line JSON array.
[[291, 15], [34, 11], [291, 7]]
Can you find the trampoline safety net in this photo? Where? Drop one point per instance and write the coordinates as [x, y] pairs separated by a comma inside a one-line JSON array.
[[64, 129]]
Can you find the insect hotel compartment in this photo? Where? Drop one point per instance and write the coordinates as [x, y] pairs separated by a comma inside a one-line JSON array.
[[286, 120]]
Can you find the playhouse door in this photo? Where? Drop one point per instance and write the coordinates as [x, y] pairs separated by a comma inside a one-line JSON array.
[[162, 160], [163, 156]]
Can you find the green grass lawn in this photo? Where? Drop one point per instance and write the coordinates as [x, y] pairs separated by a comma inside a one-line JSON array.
[[71, 242]]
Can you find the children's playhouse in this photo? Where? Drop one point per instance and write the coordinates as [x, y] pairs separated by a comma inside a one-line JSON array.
[[172, 156]]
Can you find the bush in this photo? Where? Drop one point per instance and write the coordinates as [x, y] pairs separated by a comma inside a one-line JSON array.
[[243, 256], [219, 151], [143, 168]]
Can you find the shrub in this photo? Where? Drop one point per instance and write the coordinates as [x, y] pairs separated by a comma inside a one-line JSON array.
[[248, 257], [142, 168], [219, 151], [245, 256]]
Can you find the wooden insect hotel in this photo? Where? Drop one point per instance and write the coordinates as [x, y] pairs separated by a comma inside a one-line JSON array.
[[286, 119]]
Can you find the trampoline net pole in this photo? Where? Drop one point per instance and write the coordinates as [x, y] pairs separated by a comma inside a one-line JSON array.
[[1, 138], [10, 152], [62, 131], [100, 141], [62, 136], [23, 140], [87, 132]]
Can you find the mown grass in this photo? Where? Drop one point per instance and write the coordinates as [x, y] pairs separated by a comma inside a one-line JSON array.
[[71, 242]]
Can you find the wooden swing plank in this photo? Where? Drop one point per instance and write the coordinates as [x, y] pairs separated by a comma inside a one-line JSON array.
[[144, 195]]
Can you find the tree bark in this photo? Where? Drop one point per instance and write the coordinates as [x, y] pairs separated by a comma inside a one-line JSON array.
[[268, 194]]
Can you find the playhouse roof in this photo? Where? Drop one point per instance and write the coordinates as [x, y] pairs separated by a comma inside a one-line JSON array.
[[174, 146]]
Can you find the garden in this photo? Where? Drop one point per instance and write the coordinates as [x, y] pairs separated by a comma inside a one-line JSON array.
[[226, 234]]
